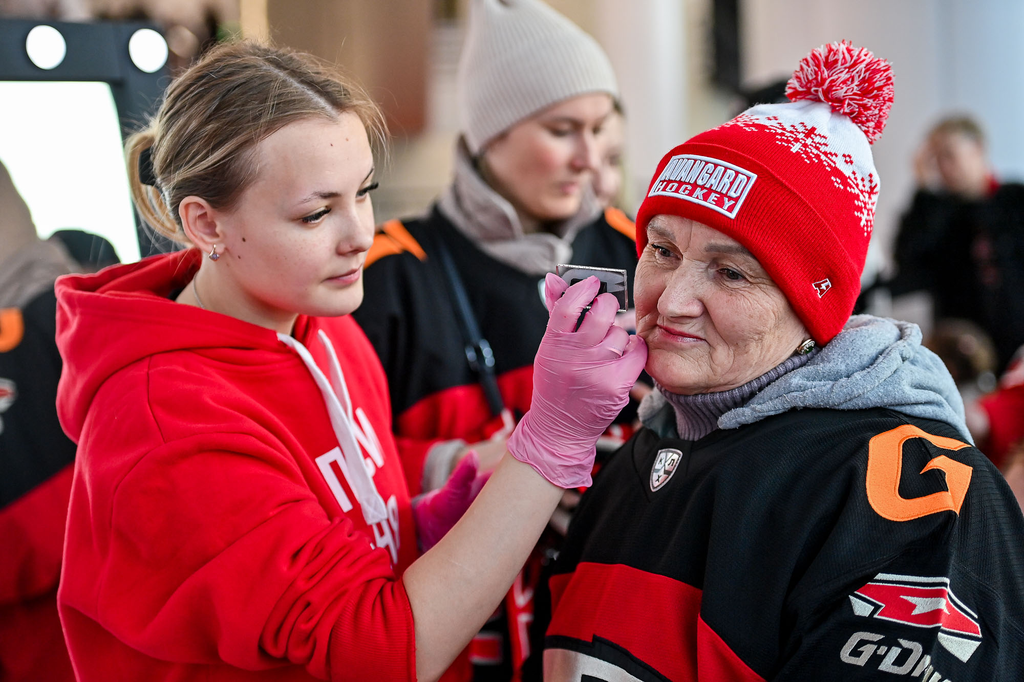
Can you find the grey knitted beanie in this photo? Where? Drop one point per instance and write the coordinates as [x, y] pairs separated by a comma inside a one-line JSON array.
[[520, 57]]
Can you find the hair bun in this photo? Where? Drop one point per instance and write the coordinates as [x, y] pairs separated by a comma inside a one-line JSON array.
[[849, 79]]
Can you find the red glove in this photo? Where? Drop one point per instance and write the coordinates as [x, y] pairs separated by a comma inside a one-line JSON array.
[[437, 511], [581, 381]]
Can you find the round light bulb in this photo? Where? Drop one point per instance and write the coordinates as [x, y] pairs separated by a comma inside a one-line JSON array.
[[46, 47], [148, 50]]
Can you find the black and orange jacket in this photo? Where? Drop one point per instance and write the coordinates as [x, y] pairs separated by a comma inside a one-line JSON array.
[[408, 315], [36, 461], [813, 544], [969, 255]]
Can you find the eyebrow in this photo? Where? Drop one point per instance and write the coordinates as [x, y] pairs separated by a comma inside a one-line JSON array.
[[319, 195], [562, 119], [738, 249], [711, 247], [325, 194], [572, 120], [659, 230]]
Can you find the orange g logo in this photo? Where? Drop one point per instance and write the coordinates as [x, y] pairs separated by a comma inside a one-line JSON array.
[[885, 466]]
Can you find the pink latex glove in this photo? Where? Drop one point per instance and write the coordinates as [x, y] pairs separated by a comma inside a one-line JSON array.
[[581, 381], [437, 511]]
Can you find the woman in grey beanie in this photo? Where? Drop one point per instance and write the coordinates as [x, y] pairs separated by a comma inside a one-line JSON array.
[[454, 299]]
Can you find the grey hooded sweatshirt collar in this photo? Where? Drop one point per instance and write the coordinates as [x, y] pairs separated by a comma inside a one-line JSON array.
[[873, 362]]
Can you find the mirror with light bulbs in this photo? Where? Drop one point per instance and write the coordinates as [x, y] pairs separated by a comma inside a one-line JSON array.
[[69, 94]]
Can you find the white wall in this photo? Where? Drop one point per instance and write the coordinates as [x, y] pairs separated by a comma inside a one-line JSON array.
[[646, 43], [981, 62]]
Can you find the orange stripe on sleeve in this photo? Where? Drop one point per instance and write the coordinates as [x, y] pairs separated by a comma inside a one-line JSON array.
[[393, 239], [383, 246], [620, 222]]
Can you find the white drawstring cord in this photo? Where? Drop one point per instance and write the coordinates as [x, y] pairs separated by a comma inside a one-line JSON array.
[[346, 431], [365, 434]]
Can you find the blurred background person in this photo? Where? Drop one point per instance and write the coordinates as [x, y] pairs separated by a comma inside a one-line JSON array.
[[35, 456], [609, 175], [998, 417], [1014, 471], [90, 251], [535, 95], [967, 352], [962, 239], [993, 409]]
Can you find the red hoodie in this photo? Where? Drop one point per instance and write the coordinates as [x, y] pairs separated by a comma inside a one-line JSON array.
[[213, 531]]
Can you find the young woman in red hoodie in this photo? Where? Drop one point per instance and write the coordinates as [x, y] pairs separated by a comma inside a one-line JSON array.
[[238, 510]]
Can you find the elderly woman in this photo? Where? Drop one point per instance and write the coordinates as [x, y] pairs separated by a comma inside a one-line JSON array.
[[804, 501]]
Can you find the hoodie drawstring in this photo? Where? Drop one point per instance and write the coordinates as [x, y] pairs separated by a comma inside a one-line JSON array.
[[349, 434]]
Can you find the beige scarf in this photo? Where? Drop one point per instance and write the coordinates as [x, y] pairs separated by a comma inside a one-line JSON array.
[[490, 222]]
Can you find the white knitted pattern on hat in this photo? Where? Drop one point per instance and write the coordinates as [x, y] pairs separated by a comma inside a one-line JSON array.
[[812, 131], [520, 57]]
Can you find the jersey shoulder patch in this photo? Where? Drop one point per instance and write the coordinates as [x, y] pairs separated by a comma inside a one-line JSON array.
[[885, 469]]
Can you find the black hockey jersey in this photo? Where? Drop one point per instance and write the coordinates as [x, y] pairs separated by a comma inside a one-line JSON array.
[[814, 544]]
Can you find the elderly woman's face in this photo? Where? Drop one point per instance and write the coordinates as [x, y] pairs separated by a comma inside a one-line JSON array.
[[712, 318]]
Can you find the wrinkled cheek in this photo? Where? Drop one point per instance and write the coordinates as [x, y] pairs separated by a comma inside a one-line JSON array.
[[677, 373], [647, 291]]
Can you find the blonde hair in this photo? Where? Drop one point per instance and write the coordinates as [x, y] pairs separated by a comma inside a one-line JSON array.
[[202, 141]]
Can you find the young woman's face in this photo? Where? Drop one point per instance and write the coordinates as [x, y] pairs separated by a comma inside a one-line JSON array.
[[543, 164], [295, 241]]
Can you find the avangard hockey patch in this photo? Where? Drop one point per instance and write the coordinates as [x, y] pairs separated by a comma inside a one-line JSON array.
[[708, 182]]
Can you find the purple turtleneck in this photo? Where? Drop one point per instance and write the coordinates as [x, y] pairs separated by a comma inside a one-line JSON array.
[[697, 415]]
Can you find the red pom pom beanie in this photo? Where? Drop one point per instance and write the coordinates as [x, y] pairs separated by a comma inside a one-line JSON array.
[[794, 183]]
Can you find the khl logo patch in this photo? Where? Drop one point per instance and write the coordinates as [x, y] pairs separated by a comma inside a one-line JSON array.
[[664, 466]]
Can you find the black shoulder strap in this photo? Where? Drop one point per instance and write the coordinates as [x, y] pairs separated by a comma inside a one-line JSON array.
[[478, 350]]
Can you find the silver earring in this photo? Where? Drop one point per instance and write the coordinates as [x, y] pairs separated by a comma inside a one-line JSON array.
[[213, 255], [805, 347]]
